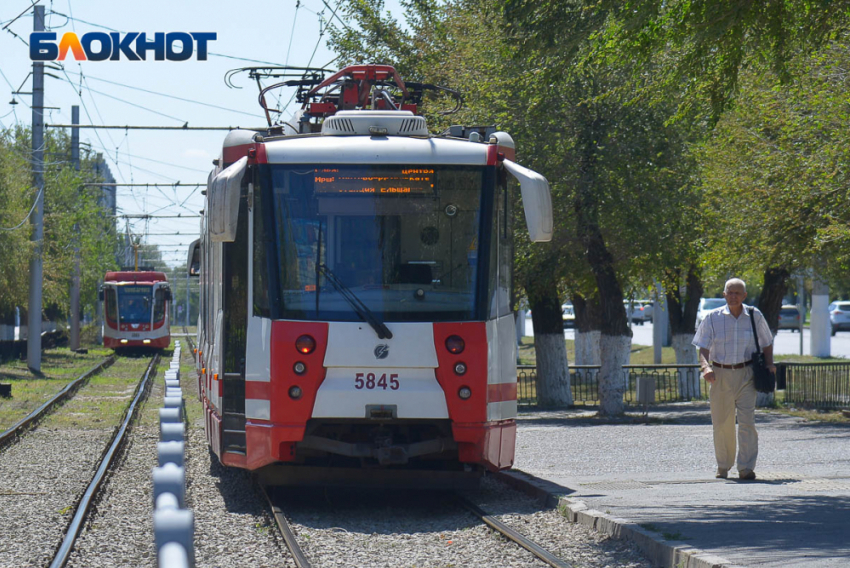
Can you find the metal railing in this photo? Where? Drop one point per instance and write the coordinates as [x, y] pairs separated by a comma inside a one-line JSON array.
[[673, 383], [823, 385]]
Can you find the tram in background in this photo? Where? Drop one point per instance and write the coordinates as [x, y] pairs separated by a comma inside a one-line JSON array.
[[356, 284], [135, 309]]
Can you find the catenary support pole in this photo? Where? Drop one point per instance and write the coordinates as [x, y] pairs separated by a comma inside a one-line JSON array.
[[75, 278], [801, 306], [820, 327], [187, 296], [34, 307], [660, 321]]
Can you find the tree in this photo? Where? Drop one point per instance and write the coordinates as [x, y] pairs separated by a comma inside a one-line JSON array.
[[775, 174], [73, 218], [706, 42]]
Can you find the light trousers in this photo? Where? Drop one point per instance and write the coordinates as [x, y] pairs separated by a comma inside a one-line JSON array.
[[733, 393]]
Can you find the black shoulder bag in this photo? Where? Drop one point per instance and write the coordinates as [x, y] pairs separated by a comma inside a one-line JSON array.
[[763, 379]]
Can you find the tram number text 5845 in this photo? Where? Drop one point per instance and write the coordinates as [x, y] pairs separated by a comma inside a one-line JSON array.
[[371, 381]]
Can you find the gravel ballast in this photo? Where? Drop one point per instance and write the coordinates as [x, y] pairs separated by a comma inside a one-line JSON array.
[[46, 471]]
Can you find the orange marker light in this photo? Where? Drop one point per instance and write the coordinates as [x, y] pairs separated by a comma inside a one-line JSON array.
[[215, 377], [305, 344]]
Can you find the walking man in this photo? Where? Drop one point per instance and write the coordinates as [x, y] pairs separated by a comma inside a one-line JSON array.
[[726, 347]]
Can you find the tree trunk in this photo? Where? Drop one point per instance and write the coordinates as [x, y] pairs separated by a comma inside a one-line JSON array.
[[772, 293], [686, 354], [612, 378], [683, 304], [615, 343], [588, 324], [553, 373]]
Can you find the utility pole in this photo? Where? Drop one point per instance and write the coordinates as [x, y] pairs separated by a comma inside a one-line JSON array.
[[34, 307], [820, 329], [75, 279], [186, 317]]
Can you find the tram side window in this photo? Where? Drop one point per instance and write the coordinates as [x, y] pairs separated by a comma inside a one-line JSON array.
[[262, 242], [500, 254], [506, 245], [111, 299], [159, 305]]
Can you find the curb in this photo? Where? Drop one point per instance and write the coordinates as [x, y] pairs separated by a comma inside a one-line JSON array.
[[659, 551]]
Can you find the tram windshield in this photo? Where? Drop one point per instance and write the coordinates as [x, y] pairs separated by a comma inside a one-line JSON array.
[[403, 240], [134, 303]]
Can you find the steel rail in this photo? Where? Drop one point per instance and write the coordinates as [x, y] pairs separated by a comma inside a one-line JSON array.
[[64, 551], [66, 393], [513, 535], [298, 555]]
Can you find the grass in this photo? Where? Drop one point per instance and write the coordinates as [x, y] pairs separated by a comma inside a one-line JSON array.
[[29, 391], [641, 354], [817, 415], [103, 401]]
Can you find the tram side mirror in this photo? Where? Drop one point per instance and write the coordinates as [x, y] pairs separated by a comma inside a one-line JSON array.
[[100, 293], [194, 260], [224, 192], [168, 296], [536, 201]]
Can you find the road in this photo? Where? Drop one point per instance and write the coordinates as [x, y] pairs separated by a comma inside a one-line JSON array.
[[787, 342]]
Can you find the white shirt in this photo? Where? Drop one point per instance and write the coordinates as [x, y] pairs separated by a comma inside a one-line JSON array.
[[729, 339]]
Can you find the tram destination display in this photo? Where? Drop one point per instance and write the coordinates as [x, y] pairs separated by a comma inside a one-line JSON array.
[[414, 180]]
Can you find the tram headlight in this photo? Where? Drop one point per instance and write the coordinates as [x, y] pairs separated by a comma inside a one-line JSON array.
[[305, 344], [455, 344], [295, 392], [123, 341], [146, 341], [299, 368], [464, 392], [460, 368]]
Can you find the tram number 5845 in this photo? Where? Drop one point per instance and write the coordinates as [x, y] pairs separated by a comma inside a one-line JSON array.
[[370, 381]]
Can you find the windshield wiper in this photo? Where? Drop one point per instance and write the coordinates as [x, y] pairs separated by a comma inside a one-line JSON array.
[[359, 307]]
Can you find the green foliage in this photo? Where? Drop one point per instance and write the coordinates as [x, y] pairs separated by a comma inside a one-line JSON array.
[[775, 169], [705, 42], [73, 220]]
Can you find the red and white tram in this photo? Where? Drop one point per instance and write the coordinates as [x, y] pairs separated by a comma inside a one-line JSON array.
[[356, 286], [135, 309]]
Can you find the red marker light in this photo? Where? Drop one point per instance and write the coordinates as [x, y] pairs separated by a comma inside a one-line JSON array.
[[305, 344], [455, 344]]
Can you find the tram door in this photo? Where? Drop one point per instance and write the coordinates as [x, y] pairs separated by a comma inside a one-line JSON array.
[[233, 334]]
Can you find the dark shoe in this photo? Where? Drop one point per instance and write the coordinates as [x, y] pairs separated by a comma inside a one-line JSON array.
[[746, 474], [722, 473]]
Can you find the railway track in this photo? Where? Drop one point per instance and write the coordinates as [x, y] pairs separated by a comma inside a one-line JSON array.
[[66, 393], [455, 500], [88, 498], [54, 473]]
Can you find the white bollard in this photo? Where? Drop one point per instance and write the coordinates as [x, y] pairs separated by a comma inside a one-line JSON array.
[[170, 478], [174, 526], [171, 432], [173, 555], [169, 415], [170, 452]]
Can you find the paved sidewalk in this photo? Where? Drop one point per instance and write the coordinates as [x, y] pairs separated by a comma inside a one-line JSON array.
[[661, 476]]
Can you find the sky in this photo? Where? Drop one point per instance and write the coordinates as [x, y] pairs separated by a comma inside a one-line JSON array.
[[142, 92]]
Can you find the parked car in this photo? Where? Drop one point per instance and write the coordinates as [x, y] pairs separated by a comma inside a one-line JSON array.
[[569, 316], [789, 318], [706, 305], [839, 316], [636, 311]]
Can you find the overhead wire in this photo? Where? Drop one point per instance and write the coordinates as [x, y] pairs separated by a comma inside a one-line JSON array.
[[92, 78], [21, 224], [291, 37], [315, 47]]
